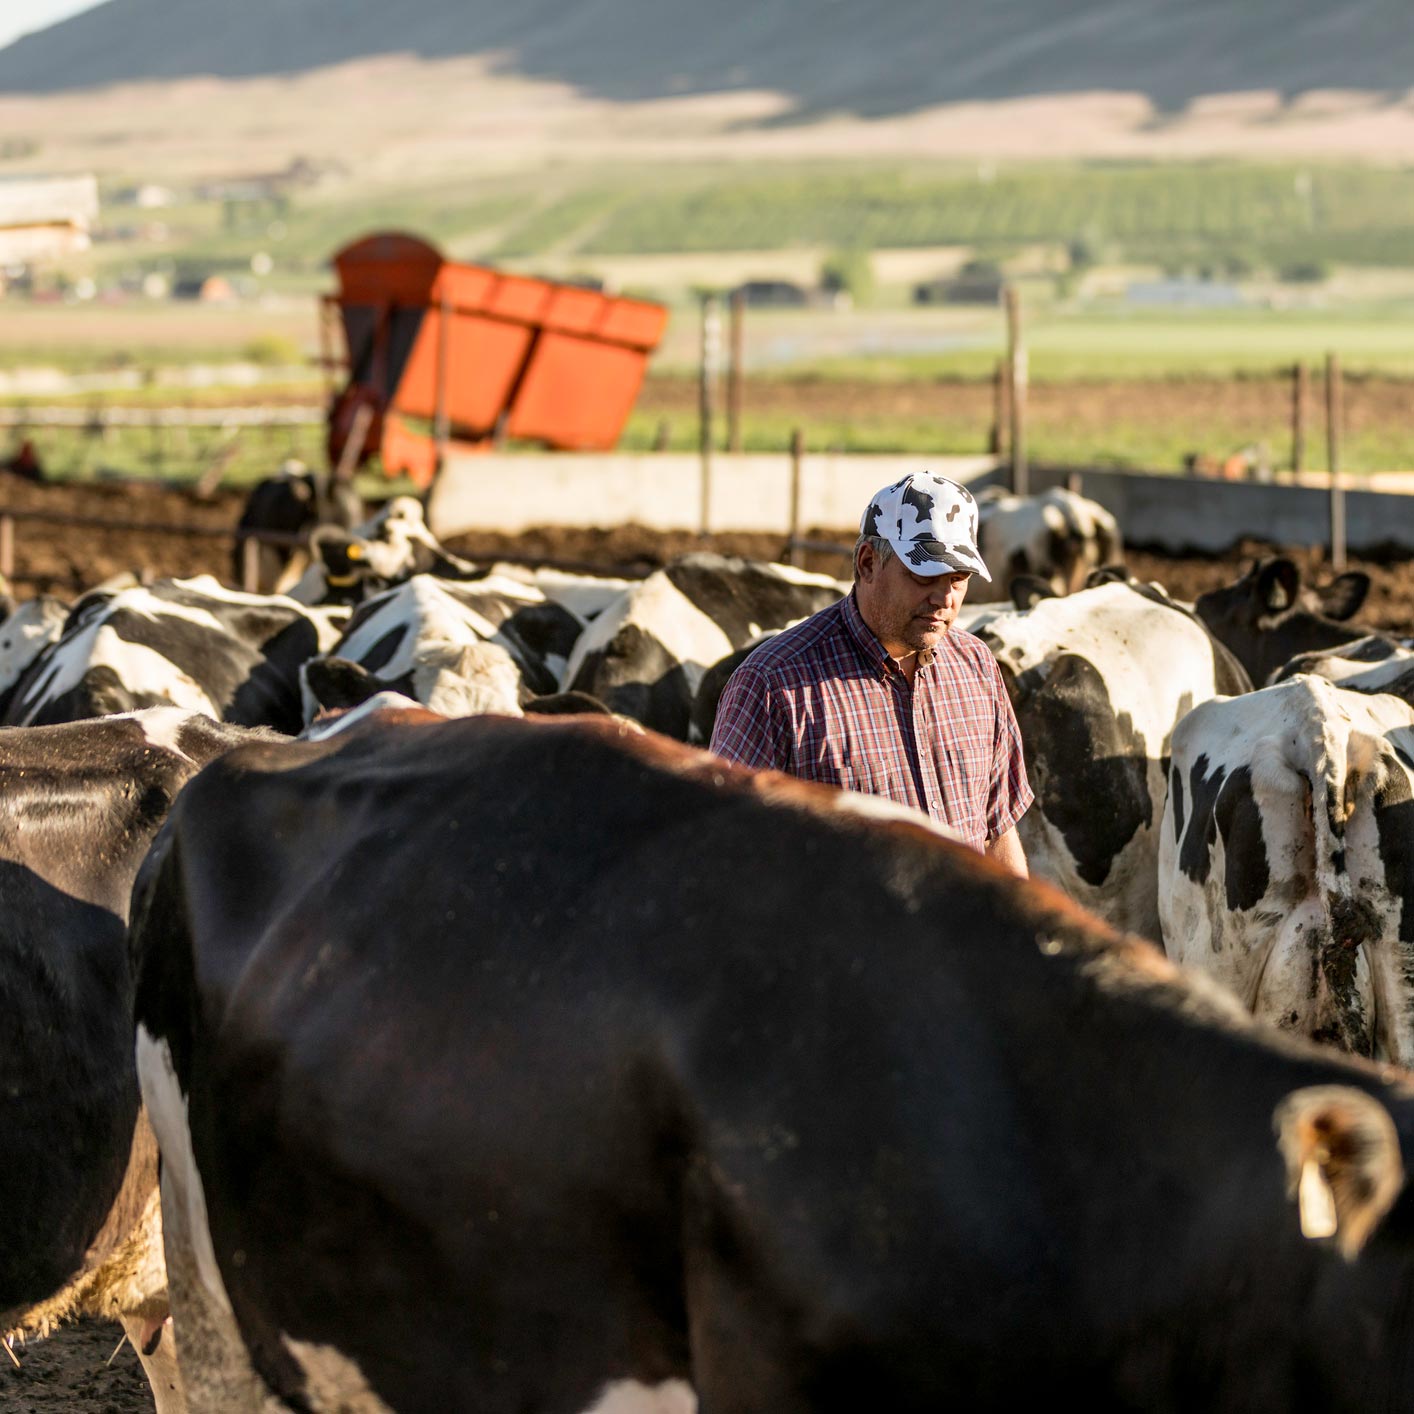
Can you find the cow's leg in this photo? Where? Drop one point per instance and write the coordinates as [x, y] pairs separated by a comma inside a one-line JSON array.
[[156, 1349], [214, 1366]]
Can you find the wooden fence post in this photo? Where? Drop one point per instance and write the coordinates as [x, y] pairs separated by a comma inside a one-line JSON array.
[[708, 364], [1016, 348], [794, 555], [1001, 409], [7, 548], [1300, 393], [736, 346], [1333, 420]]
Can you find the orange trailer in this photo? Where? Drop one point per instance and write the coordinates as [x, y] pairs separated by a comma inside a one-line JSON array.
[[445, 357]]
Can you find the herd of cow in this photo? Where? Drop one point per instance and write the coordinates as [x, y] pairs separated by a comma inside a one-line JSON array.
[[402, 1014]]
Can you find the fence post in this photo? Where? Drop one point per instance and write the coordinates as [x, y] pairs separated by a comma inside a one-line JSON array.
[[735, 375], [1001, 409], [250, 565], [794, 555], [7, 547], [708, 364], [1300, 393], [1333, 419], [1016, 348]]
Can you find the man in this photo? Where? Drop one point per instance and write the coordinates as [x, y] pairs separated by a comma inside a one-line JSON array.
[[878, 694]]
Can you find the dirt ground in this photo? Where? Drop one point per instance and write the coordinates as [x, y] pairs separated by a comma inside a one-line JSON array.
[[70, 1373]]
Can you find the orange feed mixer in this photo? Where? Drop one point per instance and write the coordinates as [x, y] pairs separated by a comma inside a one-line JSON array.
[[442, 357]]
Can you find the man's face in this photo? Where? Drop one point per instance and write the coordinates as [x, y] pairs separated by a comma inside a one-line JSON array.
[[908, 612]]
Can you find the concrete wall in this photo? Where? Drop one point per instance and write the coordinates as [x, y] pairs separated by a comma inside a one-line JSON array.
[[1181, 513], [663, 490]]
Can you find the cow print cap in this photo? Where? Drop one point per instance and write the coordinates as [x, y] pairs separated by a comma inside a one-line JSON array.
[[930, 521]]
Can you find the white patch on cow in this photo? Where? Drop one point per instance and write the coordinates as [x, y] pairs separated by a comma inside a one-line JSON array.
[[800, 576], [1155, 663], [167, 1109], [161, 726], [657, 606], [1319, 757], [583, 595], [453, 645], [332, 1379], [379, 702], [137, 667], [1357, 676], [881, 807], [25, 633], [1021, 527], [631, 1397]]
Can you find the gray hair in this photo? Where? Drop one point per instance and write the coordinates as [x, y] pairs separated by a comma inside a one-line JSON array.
[[882, 548]]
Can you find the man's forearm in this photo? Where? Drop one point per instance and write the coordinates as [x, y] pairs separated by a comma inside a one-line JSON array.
[[1007, 851]]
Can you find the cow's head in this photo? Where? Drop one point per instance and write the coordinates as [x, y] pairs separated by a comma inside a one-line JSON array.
[[386, 550], [1267, 616]]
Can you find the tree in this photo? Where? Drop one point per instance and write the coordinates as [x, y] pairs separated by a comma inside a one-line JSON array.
[[850, 272]]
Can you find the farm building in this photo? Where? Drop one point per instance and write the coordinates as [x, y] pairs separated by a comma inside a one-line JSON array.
[[45, 218]]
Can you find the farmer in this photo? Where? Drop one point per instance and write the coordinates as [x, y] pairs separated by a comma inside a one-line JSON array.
[[878, 694]]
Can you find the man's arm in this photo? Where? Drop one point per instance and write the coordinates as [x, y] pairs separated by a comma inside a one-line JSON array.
[[745, 731], [1007, 851]]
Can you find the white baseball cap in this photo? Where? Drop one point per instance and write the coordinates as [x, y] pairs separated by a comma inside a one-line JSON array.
[[930, 521]]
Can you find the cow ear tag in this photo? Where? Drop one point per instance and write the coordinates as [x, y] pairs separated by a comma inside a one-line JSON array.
[[1316, 1201]]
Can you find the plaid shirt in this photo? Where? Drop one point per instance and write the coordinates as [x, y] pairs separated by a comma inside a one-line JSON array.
[[825, 702]]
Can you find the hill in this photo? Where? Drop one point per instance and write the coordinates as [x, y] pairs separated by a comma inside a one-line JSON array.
[[885, 57]]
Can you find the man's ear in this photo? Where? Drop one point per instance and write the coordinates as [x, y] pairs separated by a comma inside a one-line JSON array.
[[1343, 1163], [866, 563]]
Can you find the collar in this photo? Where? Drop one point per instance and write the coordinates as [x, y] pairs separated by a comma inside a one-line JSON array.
[[875, 655]]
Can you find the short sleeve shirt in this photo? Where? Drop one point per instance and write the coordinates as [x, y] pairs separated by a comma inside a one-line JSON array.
[[824, 701]]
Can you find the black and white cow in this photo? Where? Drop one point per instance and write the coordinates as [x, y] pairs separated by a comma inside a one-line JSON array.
[[1267, 617], [292, 502], [1377, 663], [1097, 680], [676, 1084], [1287, 859], [489, 645], [78, 1164], [645, 654], [26, 630], [186, 643], [390, 547], [1056, 536]]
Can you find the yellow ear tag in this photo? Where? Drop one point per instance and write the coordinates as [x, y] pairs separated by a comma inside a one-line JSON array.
[[1316, 1201]]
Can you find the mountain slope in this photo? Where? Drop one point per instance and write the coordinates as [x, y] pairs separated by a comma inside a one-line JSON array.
[[868, 57]]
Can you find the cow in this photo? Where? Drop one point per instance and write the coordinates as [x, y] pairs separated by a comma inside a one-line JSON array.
[[26, 630], [645, 654], [1377, 663], [485, 646], [678, 1084], [1267, 617], [1286, 859], [392, 546], [292, 503], [1097, 681], [78, 1163], [1057, 536], [180, 642]]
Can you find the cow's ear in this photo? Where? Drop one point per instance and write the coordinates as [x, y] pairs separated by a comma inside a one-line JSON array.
[[1027, 590], [338, 682], [1343, 1164], [1107, 574], [1278, 583], [1342, 597]]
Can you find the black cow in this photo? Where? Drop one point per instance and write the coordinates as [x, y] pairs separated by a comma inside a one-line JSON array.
[[78, 1164], [185, 643], [1266, 617], [293, 502], [672, 1079]]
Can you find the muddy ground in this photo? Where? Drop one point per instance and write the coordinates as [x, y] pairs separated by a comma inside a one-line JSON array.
[[179, 535]]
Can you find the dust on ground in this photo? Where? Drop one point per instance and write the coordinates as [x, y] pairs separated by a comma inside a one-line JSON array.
[[79, 1370]]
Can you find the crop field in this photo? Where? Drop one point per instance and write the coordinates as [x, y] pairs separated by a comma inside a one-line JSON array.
[[1232, 216]]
